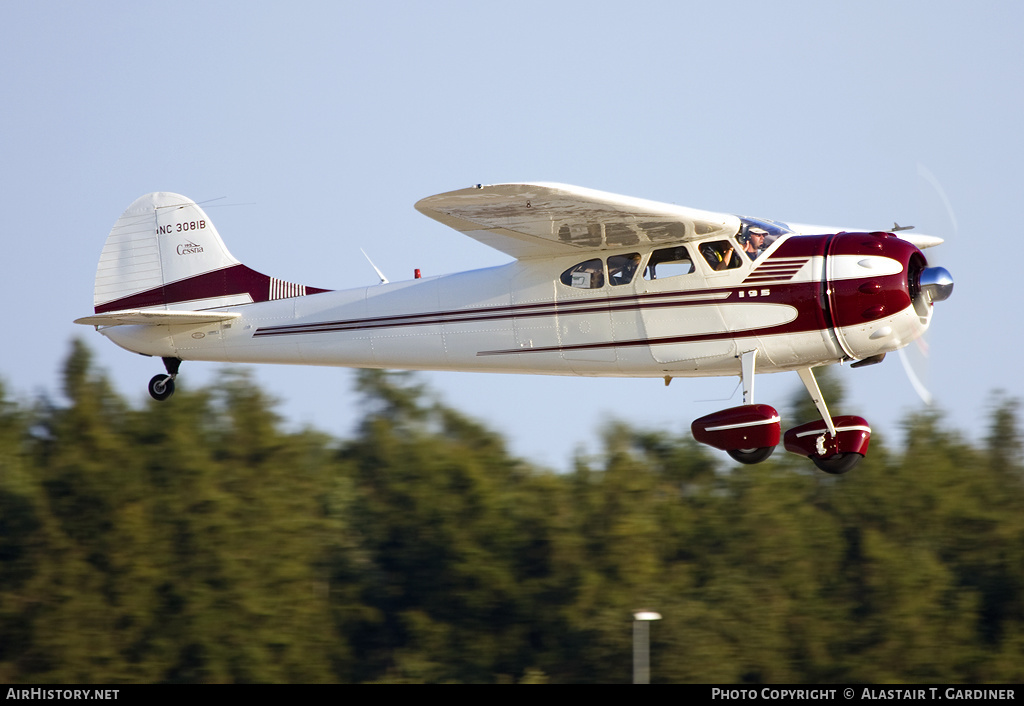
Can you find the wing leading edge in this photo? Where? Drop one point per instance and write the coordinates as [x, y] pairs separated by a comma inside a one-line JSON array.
[[544, 220]]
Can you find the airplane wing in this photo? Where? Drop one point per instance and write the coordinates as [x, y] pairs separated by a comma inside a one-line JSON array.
[[155, 317], [544, 220]]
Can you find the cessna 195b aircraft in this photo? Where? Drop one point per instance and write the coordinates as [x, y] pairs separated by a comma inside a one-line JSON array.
[[601, 285]]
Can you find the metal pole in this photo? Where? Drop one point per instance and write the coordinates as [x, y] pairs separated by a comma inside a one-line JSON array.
[[641, 652], [642, 645]]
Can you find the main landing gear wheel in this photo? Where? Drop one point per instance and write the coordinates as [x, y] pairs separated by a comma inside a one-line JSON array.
[[161, 387], [751, 456], [838, 464]]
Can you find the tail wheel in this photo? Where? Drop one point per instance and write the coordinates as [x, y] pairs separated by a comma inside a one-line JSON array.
[[751, 456], [161, 387]]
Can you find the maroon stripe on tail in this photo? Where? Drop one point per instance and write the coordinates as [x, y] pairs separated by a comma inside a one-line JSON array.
[[237, 279]]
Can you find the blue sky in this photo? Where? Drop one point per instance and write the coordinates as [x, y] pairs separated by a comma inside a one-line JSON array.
[[322, 123]]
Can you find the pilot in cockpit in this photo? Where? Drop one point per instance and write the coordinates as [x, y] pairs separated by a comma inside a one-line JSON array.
[[754, 241], [721, 255]]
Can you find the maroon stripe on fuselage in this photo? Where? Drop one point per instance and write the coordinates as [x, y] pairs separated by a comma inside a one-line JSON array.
[[782, 272], [229, 281], [632, 343], [801, 246], [553, 308], [802, 296]]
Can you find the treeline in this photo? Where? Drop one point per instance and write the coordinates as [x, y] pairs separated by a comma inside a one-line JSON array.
[[199, 540]]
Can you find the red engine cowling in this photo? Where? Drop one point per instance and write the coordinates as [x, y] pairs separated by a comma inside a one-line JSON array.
[[871, 277], [749, 426]]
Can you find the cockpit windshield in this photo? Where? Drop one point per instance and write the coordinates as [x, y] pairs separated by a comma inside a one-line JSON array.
[[757, 234]]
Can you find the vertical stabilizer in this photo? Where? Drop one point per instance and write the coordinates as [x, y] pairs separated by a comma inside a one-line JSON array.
[[165, 253]]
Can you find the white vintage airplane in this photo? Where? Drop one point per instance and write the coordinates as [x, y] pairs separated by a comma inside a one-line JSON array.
[[601, 285]]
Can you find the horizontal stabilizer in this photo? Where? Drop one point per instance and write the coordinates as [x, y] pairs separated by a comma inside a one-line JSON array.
[[156, 318]]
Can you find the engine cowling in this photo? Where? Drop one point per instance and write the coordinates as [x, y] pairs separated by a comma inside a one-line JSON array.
[[874, 302]]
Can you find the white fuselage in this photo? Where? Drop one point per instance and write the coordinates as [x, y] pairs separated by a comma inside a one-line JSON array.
[[519, 318]]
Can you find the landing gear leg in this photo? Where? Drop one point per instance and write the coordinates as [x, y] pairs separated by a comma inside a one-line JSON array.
[[755, 454], [162, 386], [807, 378], [748, 433], [747, 375], [835, 446]]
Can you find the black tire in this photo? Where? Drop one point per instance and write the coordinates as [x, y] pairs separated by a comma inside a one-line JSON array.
[[839, 464], [751, 456], [161, 387]]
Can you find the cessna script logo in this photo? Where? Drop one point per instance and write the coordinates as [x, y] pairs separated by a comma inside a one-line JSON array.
[[189, 248]]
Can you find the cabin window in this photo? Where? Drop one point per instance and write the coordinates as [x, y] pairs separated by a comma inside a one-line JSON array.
[[721, 255], [669, 262], [621, 268], [586, 275]]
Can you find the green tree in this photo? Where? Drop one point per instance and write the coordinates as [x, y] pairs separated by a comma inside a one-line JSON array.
[[200, 540], [459, 535]]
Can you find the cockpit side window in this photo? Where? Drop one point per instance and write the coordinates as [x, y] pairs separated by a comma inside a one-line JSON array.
[[621, 268], [586, 275], [721, 254], [669, 262]]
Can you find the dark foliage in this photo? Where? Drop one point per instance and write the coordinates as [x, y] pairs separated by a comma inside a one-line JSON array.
[[198, 540]]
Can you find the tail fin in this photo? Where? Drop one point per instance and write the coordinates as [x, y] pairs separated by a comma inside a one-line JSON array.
[[164, 253]]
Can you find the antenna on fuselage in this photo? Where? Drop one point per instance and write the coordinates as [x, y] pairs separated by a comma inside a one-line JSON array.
[[383, 279]]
